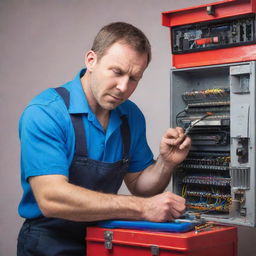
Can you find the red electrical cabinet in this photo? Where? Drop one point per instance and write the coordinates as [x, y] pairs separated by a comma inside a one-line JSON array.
[[212, 34], [219, 240], [214, 71]]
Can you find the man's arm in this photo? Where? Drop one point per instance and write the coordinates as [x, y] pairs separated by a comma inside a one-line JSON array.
[[57, 198], [174, 148]]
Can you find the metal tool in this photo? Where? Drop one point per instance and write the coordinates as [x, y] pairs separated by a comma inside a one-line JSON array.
[[190, 218], [192, 124]]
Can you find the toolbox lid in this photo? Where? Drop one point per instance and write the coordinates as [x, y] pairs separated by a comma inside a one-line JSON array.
[[182, 242]]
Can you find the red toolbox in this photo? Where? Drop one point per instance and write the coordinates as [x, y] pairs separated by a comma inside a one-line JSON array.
[[219, 240]]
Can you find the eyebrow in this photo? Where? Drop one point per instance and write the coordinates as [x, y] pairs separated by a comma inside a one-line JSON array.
[[124, 72]]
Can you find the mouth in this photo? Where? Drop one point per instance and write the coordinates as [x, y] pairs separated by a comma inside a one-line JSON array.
[[117, 99]]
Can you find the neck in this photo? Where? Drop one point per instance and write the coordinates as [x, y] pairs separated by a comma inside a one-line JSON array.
[[101, 114]]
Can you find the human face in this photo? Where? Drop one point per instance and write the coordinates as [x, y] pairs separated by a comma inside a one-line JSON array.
[[115, 76]]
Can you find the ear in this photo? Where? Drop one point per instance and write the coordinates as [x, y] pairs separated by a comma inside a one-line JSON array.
[[90, 60]]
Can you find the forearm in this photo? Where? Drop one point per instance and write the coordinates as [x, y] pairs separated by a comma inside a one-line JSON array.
[[79, 204], [174, 148], [59, 199], [154, 179]]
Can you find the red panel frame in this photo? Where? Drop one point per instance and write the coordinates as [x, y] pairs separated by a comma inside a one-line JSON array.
[[215, 57], [222, 9]]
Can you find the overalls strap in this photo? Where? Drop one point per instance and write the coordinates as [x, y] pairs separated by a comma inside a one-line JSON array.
[[77, 121], [125, 131]]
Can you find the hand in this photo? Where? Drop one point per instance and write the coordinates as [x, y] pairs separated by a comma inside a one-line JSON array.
[[163, 207], [174, 146]]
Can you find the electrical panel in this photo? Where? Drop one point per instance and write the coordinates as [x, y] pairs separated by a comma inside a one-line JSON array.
[[216, 107], [213, 98]]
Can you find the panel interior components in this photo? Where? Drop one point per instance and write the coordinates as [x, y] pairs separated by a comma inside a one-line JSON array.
[[216, 108], [212, 35]]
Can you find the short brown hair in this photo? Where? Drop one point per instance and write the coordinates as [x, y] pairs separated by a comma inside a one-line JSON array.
[[121, 32]]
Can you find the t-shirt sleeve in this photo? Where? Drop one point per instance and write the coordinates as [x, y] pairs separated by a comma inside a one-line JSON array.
[[42, 138], [141, 155]]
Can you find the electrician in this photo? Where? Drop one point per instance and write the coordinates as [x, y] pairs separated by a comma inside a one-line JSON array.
[[81, 140]]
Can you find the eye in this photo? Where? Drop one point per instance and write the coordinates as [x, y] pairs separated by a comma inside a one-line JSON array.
[[134, 79], [117, 72]]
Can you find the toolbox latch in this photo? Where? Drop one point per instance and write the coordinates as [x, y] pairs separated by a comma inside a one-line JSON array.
[[108, 237], [154, 250]]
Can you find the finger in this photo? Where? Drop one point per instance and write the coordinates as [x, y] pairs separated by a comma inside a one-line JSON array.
[[175, 132], [173, 141], [180, 208], [176, 202], [185, 144], [172, 133], [180, 130], [175, 214], [182, 135], [176, 135]]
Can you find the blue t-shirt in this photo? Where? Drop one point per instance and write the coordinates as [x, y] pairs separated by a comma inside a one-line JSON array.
[[48, 141]]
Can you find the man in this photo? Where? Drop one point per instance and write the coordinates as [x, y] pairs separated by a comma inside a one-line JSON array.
[[80, 141]]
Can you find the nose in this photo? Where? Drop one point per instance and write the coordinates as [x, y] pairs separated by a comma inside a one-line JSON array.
[[122, 85]]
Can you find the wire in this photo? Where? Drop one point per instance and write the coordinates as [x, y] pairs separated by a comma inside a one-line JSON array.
[[178, 115]]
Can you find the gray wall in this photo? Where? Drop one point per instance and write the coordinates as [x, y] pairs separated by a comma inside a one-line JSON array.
[[42, 44]]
